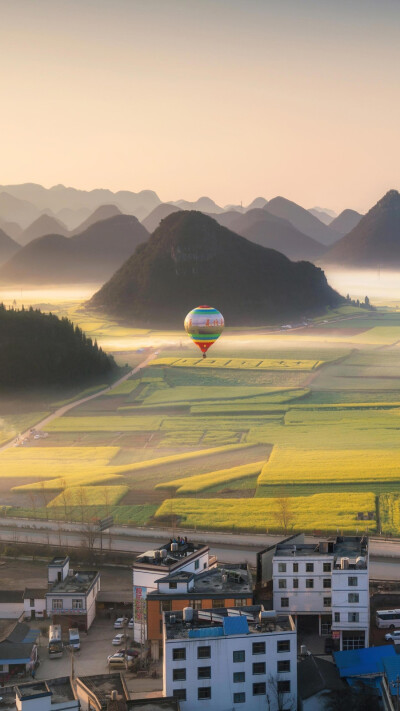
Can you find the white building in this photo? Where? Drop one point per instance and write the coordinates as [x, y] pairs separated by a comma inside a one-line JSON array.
[[71, 598], [35, 603], [224, 659], [177, 555], [325, 586]]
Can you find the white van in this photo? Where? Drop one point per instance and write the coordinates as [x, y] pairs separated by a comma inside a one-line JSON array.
[[74, 639]]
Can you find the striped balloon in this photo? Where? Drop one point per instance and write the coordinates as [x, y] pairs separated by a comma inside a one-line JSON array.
[[204, 325]]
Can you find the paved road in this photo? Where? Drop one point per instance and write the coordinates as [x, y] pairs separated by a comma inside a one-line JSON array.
[[62, 410], [384, 555]]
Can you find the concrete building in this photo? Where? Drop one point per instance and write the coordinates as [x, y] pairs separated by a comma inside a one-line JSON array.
[[109, 692], [54, 695], [177, 555], [325, 586], [230, 658], [35, 603], [219, 586], [71, 598], [11, 604]]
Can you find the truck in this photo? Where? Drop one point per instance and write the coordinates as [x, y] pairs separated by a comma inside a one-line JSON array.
[[74, 639], [56, 647]]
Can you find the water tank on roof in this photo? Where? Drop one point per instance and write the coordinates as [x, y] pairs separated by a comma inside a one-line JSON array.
[[187, 614], [157, 554], [164, 552], [344, 563], [174, 547], [266, 615], [224, 578], [360, 561], [172, 619]]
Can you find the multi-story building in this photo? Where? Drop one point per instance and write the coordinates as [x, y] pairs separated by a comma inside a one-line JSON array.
[[230, 658], [218, 586], [177, 555], [71, 597], [325, 586]]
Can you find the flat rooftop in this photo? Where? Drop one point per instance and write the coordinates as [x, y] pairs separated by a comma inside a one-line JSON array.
[[80, 582], [59, 560], [60, 689], [169, 554], [224, 621], [351, 547], [101, 685], [234, 579]]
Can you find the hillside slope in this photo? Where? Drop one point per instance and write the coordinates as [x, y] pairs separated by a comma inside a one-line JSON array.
[[375, 241], [92, 255], [8, 247], [190, 259], [302, 219], [346, 221], [43, 225]]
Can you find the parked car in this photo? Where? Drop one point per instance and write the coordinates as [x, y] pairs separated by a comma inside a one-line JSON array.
[[394, 636], [120, 622], [328, 645], [120, 655], [130, 623], [120, 639]]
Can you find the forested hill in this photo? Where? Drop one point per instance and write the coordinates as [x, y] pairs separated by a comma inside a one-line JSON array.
[[38, 349]]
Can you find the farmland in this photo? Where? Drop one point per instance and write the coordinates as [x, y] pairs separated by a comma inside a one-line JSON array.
[[310, 416]]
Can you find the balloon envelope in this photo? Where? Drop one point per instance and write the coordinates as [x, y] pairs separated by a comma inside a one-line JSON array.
[[204, 325]]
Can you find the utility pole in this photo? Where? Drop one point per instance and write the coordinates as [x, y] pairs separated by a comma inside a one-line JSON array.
[[396, 684]]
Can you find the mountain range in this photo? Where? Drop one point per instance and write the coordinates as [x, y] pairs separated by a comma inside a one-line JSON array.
[[374, 241], [91, 255], [8, 247], [190, 259]]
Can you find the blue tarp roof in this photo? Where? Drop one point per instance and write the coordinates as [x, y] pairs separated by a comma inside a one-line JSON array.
[[206, 632], [235, 625], [31, 636], [359, 662], [391, 666]]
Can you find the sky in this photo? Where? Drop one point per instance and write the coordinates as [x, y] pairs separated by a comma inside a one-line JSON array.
[[232, 99]]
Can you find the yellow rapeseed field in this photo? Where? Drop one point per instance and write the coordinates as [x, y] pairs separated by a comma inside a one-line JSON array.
[[238, 363], [202, 482], [89, 496], [322, 512]]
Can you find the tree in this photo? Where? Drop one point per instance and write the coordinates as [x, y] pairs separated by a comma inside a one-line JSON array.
[[277, 698], [284, 515]]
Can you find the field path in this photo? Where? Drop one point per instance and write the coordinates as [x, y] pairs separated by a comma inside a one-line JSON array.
[[65, 408]]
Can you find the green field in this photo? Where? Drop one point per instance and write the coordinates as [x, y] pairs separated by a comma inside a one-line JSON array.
[[310, 417]]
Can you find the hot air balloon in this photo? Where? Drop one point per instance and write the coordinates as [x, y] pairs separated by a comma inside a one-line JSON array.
[[204, 325]]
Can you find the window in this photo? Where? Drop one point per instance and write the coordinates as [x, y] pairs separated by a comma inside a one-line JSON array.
[[196, 564], [204, 692], [327, 583], [353, 617], [239, 656], [179, 675], [309, 583], [239, 602], [259, 688], [239, 698], [204, 672], [295, 582], [258, 647], [173, 585], [77, 604], [196, 604], [259, 668], [283, 686], [57, 604], [353, 582], [327, 567], [284, 666], [284, 602], [281, 567], [179, 694], [337, 616], [327, 601], [281, 583], [283, 646], [354, 597], [32, 602], [203, 652], [295, 567], [165, 606], [239, 677], [218, 603], [178, 653], [309, 567]]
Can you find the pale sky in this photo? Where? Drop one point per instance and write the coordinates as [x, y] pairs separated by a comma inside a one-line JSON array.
[[226, 98]]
